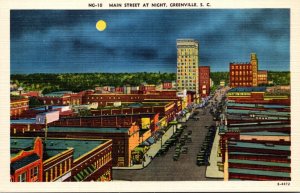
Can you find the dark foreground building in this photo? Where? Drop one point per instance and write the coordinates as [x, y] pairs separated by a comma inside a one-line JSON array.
[[60, 159]]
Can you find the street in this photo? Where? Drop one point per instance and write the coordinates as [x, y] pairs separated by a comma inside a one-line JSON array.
[[163, 168]]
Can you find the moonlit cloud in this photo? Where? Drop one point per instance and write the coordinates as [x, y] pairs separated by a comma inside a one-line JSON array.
[[145, 40]]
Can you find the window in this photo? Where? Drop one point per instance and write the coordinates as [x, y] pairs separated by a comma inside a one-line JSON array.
[[47, 176], [22, 177], [34, 172]]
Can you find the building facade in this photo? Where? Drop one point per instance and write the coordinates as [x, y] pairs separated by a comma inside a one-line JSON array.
[[26, 165], [262, 77], [247, 74], [60, 159], [204, 80], [187, 65], [18, 106]]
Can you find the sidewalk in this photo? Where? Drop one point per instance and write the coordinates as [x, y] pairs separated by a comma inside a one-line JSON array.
[[151, 152], [212, 171]]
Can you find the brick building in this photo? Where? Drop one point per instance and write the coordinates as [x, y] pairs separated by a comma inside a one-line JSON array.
[[204, 81], [246, 74], [66, 159], [17, 106], [262, 77], [62, 98], [259, 161], [257, 95], [124, 139], [26, 165]]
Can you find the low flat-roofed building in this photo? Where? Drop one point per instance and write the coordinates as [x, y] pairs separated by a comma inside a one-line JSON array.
[[17, 106], [257, 95], [258, 161], [66, 159], [124, 140], [24, 125]]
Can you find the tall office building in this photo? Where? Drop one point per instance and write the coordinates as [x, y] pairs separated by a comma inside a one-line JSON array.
[[187, 65]]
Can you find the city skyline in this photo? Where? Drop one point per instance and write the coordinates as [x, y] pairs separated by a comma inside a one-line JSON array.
[[145, 40]]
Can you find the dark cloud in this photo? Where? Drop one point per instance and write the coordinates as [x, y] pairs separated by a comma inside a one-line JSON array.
[[139, 40]]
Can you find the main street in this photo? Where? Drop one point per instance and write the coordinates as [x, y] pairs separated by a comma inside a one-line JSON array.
[[163, 168]]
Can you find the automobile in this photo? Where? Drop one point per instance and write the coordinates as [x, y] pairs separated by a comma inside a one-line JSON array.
[[160, 152], [175, 157], [178, 145], [185, 135], [196, 118], [184, 149]]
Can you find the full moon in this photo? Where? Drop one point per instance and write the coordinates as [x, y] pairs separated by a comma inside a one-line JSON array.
[[101, 25]]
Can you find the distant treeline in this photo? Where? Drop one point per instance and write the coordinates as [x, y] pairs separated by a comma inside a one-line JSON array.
[[81, 81]]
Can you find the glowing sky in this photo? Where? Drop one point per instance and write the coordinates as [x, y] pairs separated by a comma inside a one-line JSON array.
[[49, 41]]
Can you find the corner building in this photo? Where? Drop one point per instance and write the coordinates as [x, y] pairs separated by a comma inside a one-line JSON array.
[[187, 65]]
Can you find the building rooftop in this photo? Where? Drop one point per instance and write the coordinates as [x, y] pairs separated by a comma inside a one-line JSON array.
[[262, 127], [265, 133], [258, 112], [269, 122], [23, 121], [55, 146], [52, 107], [255, 162], [23, 162], [258, 146], [138, 105], [259, 172], [249, 89], [58, 93], [89, 129], [231, 104], [266, 154], [81, 146]]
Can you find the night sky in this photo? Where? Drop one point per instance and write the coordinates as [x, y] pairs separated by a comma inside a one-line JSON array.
[[46, 41]]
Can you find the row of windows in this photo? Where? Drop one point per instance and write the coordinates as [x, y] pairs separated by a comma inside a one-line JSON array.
[[187, 75], [241, 72], [19, 105], [241, 78], [186, 64], [102, 161], [242, 84], [59, 102], [58, 170], [188, 67], [137, 97], [186, 61], [188, 81], [241, 67], [16, 112], [33, 174], [262, 76]]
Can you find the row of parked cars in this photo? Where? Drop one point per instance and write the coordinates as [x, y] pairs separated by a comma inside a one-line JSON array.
[[205, 149], [174, 139], [182, 147]]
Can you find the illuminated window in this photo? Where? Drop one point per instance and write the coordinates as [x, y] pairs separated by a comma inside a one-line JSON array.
[[60, 169], [22, 177], [46, 175], [51, 174], [34, 172]]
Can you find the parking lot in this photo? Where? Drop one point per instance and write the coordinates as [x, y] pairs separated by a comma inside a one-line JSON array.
[[165, 167]]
